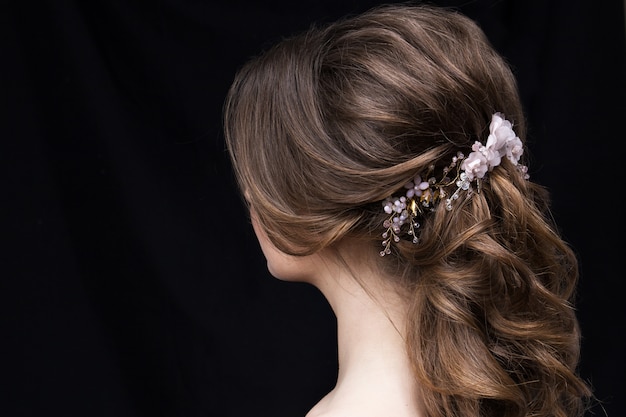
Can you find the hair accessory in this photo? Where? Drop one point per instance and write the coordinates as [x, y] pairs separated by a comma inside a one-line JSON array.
[[422, 196]]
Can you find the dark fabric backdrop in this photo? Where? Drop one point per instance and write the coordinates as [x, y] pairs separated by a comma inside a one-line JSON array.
[[132, 284]]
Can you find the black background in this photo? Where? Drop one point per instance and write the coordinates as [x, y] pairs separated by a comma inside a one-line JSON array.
[[132, 284]]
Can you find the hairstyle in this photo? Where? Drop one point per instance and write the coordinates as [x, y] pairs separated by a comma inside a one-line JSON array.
[[328, 123]]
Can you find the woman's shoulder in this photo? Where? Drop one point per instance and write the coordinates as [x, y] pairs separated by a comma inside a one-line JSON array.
[[353, 412], [359, 402]]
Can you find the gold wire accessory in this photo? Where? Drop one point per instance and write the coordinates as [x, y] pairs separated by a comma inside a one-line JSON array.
[[422, 196]]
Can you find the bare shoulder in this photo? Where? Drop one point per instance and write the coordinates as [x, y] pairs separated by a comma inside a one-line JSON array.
[[336, 404], [330, 413], [348, 412]]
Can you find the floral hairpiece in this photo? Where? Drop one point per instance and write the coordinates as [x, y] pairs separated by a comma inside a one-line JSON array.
[[422, 196]]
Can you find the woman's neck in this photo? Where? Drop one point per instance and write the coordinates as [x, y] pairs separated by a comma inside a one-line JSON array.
[[375, 376]]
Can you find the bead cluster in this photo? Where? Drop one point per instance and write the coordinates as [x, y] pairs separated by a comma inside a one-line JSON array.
[[420, 197]]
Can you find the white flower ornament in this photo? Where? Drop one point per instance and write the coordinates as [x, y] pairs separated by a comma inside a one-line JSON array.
[[501, 142], [422, 196]]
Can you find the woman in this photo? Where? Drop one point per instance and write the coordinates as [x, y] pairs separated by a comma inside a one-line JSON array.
[[381, 159]]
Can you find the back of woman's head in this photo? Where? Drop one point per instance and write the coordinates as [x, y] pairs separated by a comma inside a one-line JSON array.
[[328, 124]]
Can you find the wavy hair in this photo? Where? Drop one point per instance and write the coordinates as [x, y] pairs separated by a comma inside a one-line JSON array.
[[326, 124]]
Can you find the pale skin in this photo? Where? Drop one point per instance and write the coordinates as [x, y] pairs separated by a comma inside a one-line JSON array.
[[375, 378]]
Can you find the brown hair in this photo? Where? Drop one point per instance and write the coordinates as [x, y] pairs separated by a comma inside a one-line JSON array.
[[327, 124]]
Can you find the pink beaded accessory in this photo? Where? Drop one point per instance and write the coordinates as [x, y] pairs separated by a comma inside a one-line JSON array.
[[422, 196]]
